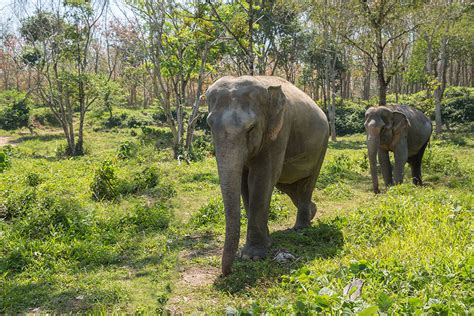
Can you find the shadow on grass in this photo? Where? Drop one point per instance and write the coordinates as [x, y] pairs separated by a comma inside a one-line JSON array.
[[347, 144], [323, 240], [42, 297], [43, 138]]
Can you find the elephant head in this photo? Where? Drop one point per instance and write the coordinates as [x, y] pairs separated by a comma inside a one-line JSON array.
[[244, 115], [385, 128]]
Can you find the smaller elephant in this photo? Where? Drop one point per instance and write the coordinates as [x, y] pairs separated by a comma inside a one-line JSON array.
[[401, 129]]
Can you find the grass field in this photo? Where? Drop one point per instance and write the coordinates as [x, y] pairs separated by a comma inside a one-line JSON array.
[[126, 228]]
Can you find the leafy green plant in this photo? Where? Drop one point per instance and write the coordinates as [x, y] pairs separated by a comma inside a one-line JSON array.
[[211, 213], [14, 110], [338, 191], [5, 160], [33, 179], [154, 218], [443, 161], [45, 117], [146, 179], [342, 166], [127, 150], [278, 210], [104, 185]]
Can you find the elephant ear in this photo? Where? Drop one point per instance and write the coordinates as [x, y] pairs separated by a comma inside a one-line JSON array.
[[276, 111], [400, 123]]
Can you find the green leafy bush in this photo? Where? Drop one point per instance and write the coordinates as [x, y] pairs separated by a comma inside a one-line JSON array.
[[104, 185], [5, 160], [458, 110], [127, 150], [349, 117], [156, 134], [15, 115], [45, 117], [51, 229], [211, 213], [155, 218], [278, 210], [146, 179], [33, 179], [442, 161], [18, 202], [117, 120]]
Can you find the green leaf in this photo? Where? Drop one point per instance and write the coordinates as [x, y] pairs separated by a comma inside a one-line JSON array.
[[372, 310]]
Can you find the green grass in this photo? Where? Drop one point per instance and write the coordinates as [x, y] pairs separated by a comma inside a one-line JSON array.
[[155, 245]]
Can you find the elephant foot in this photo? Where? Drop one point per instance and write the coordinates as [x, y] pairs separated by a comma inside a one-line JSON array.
[[300, 226], [305, 217], [254, 252]]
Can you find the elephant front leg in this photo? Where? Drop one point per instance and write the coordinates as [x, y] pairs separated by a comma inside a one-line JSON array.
[[401, 157], [260, 191], [385, 166]]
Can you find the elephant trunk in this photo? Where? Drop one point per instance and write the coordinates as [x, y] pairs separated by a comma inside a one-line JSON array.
[[372, 146], [230, 166]]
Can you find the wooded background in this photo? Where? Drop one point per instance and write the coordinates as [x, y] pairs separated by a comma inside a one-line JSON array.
[[74, 55]]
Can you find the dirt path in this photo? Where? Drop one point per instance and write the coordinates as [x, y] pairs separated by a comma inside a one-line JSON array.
[[6, 140]]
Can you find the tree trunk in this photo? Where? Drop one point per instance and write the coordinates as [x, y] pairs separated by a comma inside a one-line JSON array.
[[368, 71], [441, 84], [381, 78], [429, 62], [250, 47]]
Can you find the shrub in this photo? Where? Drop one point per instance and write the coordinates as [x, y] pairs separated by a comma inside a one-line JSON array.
[[134, 122], [33, 179], [162, 135], [45, 117], [146, 179], [278, 209], [15, 116], [5, 161], [115, 120], [201, 123], [211, 213], [202, 147], [127, 150], [443, 161], [349, 117], [155, 218], [458, 110], [104, 185], [18, 202]]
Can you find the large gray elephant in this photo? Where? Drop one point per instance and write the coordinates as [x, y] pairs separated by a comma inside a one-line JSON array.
[[401, 129], [266, 133]]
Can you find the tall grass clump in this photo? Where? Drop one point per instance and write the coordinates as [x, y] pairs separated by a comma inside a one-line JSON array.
[[104, 185], [5, 160]]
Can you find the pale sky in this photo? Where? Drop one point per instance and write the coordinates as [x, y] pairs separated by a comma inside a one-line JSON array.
[[11, 14]]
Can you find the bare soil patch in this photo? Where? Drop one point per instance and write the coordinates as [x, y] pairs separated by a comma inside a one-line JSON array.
[[6, 140], [199, 276]]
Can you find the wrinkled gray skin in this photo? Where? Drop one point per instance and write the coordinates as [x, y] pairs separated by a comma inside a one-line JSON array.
[[401, 129], [266, 133]]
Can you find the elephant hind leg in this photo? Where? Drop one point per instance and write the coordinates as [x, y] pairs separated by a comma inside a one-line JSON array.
[[415, 163], [300, 193]]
